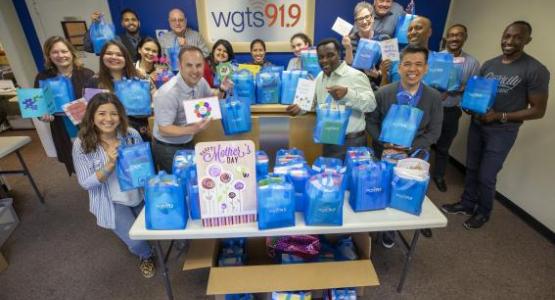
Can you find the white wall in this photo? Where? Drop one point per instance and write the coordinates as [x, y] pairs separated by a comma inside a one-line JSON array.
[[48, 14], [527, 178]]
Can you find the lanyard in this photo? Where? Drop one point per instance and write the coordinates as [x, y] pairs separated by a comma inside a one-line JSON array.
[[404, 97]]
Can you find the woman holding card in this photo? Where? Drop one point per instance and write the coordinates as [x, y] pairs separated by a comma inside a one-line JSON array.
[[258, 53], [116, 64], [222, 52], [95, 152], [299, 42], [61, 58]]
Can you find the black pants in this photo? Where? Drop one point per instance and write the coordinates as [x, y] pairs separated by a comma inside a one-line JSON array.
[[449, 129], [487, 149], [164, 153], [338, 151]]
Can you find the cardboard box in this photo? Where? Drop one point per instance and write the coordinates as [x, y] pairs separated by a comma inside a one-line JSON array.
[[261, 275]]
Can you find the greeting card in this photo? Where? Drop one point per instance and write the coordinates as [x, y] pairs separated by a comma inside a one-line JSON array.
[[197, 110], [75, 110], [227, 182], [304, 95], [33, 103]]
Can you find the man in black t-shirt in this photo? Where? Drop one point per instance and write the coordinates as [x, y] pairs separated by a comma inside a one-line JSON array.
[[522, 95]]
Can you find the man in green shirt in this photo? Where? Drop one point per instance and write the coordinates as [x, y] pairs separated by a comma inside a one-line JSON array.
[[346, 86]]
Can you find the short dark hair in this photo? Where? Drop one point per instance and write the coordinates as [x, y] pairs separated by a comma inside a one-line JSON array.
[[227, 46], [458, 25], [145, 40], [303, 37], [410, 49], [258, 41], [128, 10], [330, 41], [522, 23], [189, 48]]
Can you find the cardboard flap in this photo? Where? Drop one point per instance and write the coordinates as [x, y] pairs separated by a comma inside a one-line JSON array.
[[309, 276], [201, 254]]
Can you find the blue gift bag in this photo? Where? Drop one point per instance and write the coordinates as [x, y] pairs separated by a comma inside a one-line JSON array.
[[276, 204], [309, 62], [193, 200], [101, 32], [184, 168], [479, 94], [331, 123], [268, 86], [273, 69], [236, 115], [325, 200], [262, 164], [370, 186], [409, 185], [183, 162], [328, 165], [298, 176], [60, 91], [289, 82], [134, 94], [134, 165], [439, 70], [367, 55], [401, 123], [34, 103], [401, 31], [172, 53], [287, 159], [164, 203], [243, 87], [354, 157]]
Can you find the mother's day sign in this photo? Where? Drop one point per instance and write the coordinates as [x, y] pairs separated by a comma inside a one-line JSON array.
[[227, 182]]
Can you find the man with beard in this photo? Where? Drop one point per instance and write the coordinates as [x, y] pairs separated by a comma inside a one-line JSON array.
[[130, 38], [522, 95], [346, 86], [467, 66]]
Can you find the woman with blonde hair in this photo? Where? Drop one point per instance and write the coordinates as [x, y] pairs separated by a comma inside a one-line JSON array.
[[61, 58]]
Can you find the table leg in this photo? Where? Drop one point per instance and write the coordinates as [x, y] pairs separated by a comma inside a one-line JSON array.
[[164, 269], [28, 174], [408, 257]]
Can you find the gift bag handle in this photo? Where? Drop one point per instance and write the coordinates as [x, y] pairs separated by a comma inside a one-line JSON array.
[[426, 154]]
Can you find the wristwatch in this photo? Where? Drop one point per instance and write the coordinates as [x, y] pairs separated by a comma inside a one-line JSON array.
[[503, 117]]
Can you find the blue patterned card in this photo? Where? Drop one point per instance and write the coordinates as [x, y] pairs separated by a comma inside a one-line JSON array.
[[33, 103]]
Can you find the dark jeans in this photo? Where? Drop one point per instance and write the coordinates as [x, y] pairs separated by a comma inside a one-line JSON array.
[[449, 129], [338, 151], [487, 149], [164, 153]]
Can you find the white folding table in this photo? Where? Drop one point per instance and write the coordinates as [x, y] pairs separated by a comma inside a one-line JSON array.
[[10, 144], [372, 221]]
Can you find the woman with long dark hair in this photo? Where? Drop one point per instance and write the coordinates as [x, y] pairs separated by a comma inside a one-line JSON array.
[[61, 58], [116, 64], [148, 52], [222, 52], [95, 153]]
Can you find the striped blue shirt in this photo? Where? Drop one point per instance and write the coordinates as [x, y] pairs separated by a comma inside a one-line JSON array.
[[86, 166]]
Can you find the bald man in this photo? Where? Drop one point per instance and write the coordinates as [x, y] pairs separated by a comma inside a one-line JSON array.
[[420, 31], [180, 34]]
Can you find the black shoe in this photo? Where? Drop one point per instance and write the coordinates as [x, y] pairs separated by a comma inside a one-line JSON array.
[[388, 239], [426, 232], [457, 208], [476, 221], [440, 183]]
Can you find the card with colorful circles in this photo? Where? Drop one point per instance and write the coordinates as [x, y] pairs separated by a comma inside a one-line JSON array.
[[227, 182], [197, 110]]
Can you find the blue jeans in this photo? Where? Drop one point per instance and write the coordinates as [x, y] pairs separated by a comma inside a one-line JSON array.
[[125, 216], [487, 148]]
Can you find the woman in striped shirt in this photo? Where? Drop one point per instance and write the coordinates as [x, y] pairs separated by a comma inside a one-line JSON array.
[[94, 157]]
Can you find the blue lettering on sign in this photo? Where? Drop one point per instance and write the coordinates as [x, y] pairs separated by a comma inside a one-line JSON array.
[[239, 19]]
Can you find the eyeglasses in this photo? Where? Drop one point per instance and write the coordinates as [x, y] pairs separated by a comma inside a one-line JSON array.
[[368, 18], [177, 20]]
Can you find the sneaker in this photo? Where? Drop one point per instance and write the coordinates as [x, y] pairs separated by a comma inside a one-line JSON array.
[[476, 221], [146, 266], [457, 208], [440, 184], [426, 232], [388, 239]]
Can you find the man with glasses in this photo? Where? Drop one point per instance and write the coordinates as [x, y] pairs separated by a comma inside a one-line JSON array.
[[180, 35]]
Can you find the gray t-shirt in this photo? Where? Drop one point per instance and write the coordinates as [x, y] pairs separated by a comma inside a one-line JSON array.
[[469, 67], [518, 80], [168, 106], [384, 26]]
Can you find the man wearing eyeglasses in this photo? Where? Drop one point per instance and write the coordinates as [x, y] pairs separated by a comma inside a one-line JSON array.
[[180, 35], [386, 15]]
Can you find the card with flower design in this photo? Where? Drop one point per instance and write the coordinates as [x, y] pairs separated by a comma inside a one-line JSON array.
[[197, 110]]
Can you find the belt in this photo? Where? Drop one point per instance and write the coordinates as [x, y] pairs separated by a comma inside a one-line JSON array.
[[353, 135], [173, 145]]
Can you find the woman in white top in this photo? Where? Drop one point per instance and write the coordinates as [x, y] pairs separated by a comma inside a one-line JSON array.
[[94, 157], [299, 42], [148, 53]]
